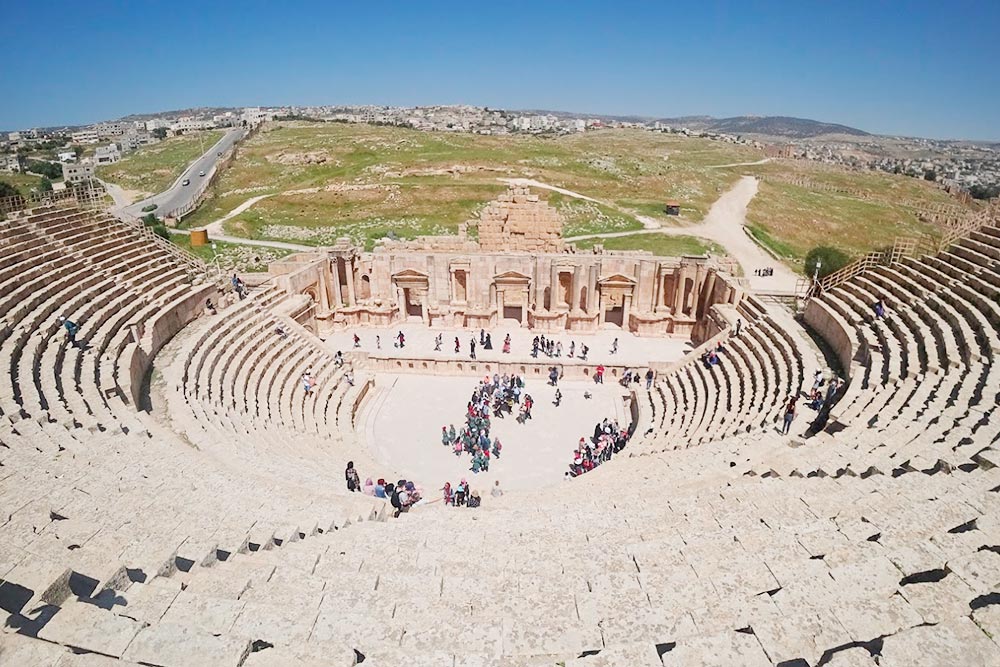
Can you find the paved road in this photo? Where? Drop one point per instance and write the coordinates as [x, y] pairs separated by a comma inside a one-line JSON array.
[[178, 195]]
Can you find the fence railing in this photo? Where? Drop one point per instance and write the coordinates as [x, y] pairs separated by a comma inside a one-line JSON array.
[[905, 246], [90, 195], [190, 259]]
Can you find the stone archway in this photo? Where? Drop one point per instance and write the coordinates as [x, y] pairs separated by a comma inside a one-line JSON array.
[[412, 287], [615, 299], [512, 296]]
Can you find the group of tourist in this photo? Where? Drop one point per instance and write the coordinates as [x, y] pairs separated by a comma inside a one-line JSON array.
[[402, 495], [608, 439], [764, 273], [554, 349], [239, 287], [817, 399], [464, 496], [712, 356], [635, 377]]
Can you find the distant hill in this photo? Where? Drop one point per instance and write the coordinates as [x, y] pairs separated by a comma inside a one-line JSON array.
[[773, 126]]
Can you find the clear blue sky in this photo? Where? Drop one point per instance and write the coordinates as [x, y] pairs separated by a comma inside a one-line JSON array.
[[917, 68]]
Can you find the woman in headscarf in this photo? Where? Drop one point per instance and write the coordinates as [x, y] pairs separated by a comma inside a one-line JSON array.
[[351, 476], [449, 498], [369, 488]]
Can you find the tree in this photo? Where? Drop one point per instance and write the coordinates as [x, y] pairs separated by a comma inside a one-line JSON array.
[[160, 132], [830, 259], [7, 190], [984, 191], [47, 169], [45, 185], [77, 151], [930, 175]]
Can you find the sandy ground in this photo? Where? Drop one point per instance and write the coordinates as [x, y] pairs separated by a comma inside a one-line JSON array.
[[402, 423]]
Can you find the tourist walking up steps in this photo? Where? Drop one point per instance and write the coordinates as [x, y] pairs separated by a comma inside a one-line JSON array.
[[506, 344], [72, 328], [401, 339], [649, 378], [437, 342], [789, 415], [614, 346]]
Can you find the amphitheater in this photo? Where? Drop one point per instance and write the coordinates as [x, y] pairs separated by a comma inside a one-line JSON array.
[[170, 496]]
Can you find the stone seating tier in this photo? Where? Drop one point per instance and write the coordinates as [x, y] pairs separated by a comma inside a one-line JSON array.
[[216, 530]]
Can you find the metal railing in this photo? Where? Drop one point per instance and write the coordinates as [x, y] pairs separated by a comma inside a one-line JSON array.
[[184, 256], [904, 246]]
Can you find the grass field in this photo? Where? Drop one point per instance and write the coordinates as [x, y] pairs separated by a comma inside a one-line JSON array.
[[364, 181], [792, 219], [327, 180], [23, 182], [153, 168], [658, 244]]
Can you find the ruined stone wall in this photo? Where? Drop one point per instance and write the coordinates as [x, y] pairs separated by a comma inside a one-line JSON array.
[[517, 221]]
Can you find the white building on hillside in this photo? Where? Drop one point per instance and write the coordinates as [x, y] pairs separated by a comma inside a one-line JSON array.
[[107, 154], [88, 136], [77, 173]]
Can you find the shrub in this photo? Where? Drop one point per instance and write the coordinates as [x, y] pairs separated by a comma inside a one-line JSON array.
[[47, 169], [831, 259]]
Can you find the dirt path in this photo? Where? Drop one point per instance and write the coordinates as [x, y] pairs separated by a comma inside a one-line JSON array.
[[222, 238], [739, 164], [215, 227], [725, 224]]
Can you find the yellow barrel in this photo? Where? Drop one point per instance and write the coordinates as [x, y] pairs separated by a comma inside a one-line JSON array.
[[199, 237]]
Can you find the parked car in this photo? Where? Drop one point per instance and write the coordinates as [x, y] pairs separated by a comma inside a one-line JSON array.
[[186, 181], [201, 173]]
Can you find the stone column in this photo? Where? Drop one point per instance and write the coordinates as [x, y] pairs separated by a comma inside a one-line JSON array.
[[499, 305], [592, 289], [553, 286], [600, 310], [574, 302], [678, 290], [350, 282], [338, 298], [626, 307], [401, 302], [657, 291]]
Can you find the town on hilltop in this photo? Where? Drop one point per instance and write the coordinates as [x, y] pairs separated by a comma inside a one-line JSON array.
[[959, 166]]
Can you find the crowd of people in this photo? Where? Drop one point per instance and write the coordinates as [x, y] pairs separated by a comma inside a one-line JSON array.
[[608, 439], [764, 273], [493, 397]]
